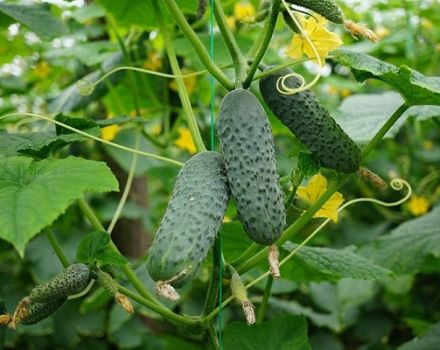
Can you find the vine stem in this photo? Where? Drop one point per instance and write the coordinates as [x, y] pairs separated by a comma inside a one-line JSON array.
[[238, 59], [263, 42], [62, 257], [80, 132], [197, 44], [263, 306], [168, 314], [126, 269], [183, 94]]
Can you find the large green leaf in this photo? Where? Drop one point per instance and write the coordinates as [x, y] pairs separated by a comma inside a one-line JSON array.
[[361, 116], [37, 18], [406, 249], [283, 333], [33, 194], [315, 264], [428, 341], [414, 87]]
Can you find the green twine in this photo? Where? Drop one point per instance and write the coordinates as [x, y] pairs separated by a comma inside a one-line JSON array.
[[212, 135]]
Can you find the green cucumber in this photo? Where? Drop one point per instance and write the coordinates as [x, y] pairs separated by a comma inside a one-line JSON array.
[[192, 220], [326, 8], [248, 149], [38, 311], [311, 123], [72, 280]]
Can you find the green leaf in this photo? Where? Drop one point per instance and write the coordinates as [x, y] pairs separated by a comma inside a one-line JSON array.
[[42, 144], [91, 245], [315, 264], [361, 116], [414, 87], [406, 249], [283, 333], [428, 341], [110, 257], [33, 194], [307, 165], [37, 18]]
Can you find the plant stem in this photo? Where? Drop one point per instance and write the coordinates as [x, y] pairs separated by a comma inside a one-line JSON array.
[[238, 59], [251, 250], [197, 44], [168, 314], [211, 296], [266, 296], [263, 41], [384, 129], [57, 247], [126, 269], [277, 68], [181, 88]]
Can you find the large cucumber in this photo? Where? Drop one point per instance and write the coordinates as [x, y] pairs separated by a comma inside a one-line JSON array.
[[38, 311], [311, 123], [72, 280], [246, 140], [326, 8], [192, 220]]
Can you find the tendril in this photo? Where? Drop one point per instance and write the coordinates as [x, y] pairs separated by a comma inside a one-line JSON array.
[[281, 82], [96, 138]]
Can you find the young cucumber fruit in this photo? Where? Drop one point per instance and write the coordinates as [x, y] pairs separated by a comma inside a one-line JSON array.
[[311, 123], [192, 220], [248, 149], [326, 8], [38, 311], [72, 280]]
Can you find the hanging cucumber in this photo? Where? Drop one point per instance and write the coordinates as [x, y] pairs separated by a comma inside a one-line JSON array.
[[72, 280], [311, 123], [37, 311], [326, 8], [248, 149], [191, 222]]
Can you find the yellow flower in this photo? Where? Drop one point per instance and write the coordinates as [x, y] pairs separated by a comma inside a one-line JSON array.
[[185, 140], [314, 189], [324, 40], [153, 61], [243, 11], [190, 83], [230, 22], [109, 132], [42, 70], [227, 219], [428, 145], [418, 205], [345, 92]]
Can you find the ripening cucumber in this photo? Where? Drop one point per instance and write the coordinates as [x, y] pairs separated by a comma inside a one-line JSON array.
[[326, 8], [72, 280], [38, 311], [191, 221], [248, 149], [311, 123]]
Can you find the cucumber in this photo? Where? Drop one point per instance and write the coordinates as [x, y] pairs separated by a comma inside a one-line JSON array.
[[248, 149], [72, 280], [191, 221], [38, 311], [312, 124], [326, 8]]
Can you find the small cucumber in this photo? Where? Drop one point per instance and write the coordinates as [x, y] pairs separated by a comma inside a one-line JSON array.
[[72, 280], [246, 140], [326, 8], [311, 123], [192, 220], [38, 311]]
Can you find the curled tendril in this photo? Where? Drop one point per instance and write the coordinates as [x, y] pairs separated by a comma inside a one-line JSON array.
[[282, 88], [85, 87], [396, 184]]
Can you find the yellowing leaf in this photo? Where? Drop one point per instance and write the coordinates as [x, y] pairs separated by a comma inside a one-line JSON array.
[[314, 190], [243, 10], [418, 205], [323, 40], [185, 141]]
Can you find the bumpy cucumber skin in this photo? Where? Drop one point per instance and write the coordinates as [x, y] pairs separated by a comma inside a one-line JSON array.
[[312, 124], [72, 280], [191, 221], [246, 140], [326, 8], [38, 311]]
